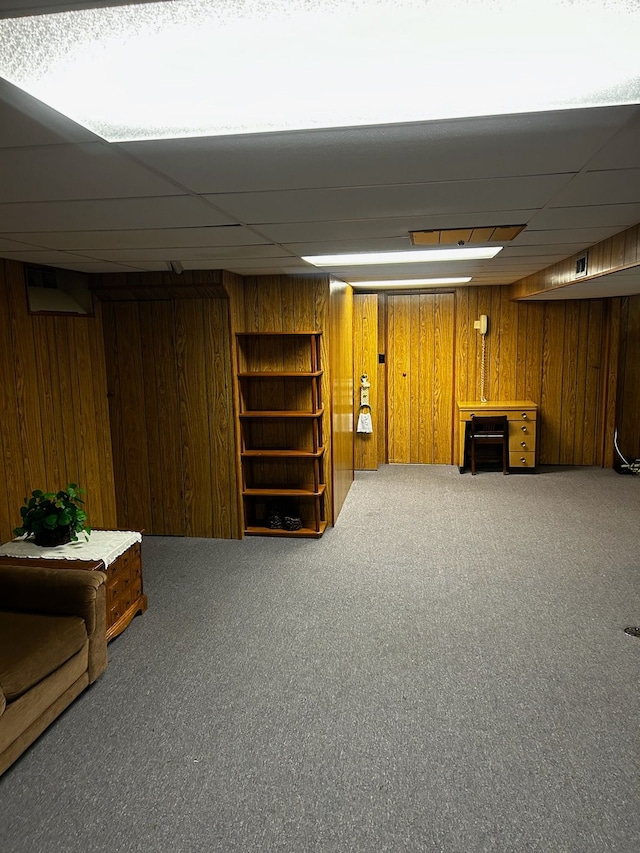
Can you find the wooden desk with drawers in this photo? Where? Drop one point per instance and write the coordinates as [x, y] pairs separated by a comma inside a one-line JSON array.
[[523, 417]]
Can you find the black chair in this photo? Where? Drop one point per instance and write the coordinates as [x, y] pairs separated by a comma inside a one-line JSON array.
[[485, 431]]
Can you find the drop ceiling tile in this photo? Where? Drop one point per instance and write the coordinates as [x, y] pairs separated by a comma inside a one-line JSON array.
[[623, 150], [537, 261], [9, 245], [586, 236], [27, 121], [62, 172], [332, 247], [44, 256], [537, 252], [104, 266], [615, 186], [592, 216], [257, 266], [143, 266], [445, 197], [215, 235], [116, 214], [180, 253], [533, 143], [231, 262], [383, 227]]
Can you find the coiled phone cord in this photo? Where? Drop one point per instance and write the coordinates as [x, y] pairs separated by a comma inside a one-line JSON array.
[[483, 399]]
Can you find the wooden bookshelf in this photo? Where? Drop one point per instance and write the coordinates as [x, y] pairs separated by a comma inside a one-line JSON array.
[[280, 422]]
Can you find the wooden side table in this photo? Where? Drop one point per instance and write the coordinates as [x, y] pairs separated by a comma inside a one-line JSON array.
[[125, 596]]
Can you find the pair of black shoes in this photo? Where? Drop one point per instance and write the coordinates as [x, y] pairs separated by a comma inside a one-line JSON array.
[[282, 518]]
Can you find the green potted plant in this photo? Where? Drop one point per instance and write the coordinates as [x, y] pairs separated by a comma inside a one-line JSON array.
[[53, 518]]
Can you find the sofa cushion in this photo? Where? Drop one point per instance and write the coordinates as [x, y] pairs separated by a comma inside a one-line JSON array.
[[33, 645]]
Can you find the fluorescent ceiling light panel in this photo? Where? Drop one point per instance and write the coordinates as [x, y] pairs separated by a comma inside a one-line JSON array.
[[412, 257], [410, 282], [203, 68]]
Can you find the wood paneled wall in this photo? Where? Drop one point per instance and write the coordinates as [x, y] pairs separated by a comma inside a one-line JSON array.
[[556, 353], [283, 303], [628, 414], [342, 392], [365, 348], [54, 419], [171, 403], [560, 354], [619, 252], [155, 286]]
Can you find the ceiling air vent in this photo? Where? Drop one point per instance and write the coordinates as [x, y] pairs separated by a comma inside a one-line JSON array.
[[581, 264]]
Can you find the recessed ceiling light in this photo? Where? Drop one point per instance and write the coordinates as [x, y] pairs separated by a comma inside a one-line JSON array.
[[408, 282], [184, 68], [412, 257]]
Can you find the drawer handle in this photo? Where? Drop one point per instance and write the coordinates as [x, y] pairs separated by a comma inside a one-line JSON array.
[[524, 429], [523, 444], [523, 460], [524, 416]]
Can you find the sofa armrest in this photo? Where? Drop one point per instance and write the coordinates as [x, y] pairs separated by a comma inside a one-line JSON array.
[[68, 592]]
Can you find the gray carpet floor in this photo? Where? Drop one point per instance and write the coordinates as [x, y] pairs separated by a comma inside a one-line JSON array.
[[445, 670]]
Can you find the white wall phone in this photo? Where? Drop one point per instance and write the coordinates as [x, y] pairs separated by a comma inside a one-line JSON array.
[[482, 325]]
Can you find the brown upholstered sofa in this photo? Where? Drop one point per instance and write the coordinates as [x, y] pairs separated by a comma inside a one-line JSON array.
[[52, 645]]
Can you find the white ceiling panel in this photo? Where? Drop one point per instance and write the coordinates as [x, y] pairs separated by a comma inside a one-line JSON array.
[[389, 244], [26, 121], [256, 266], [143, 266], [621, 152], [587, 236], [374, 227], [620, 216], [517, 264], [215, 235], [89, 266], [48, 257], [397, 200], [9, 245], [534, 143], [561, 251], [616, 186], [92, 170], [180, 253], [527, 261], [114, 214]]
